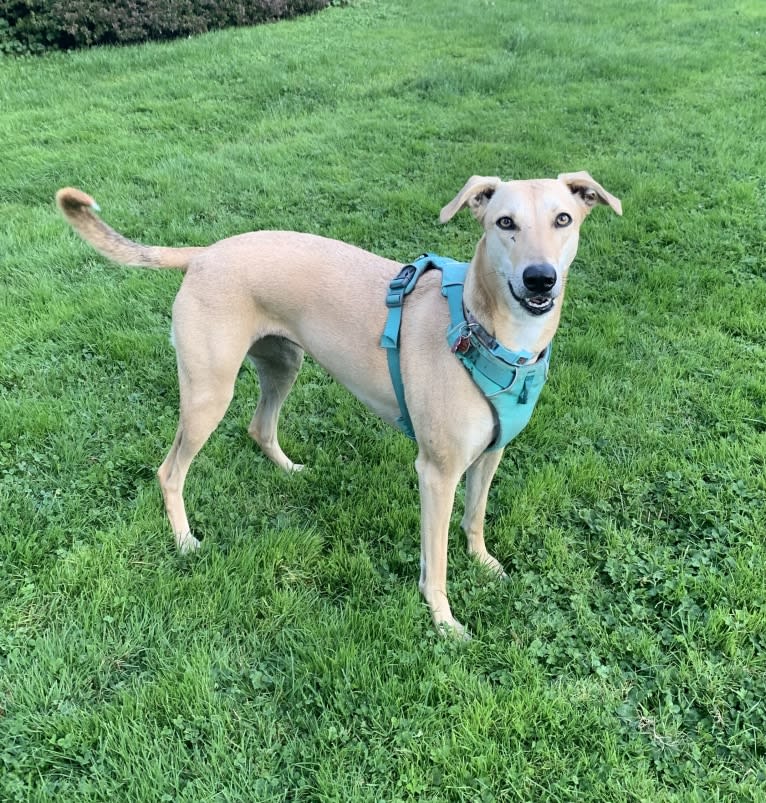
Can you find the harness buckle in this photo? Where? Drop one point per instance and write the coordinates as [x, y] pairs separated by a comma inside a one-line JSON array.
[[397, 289]]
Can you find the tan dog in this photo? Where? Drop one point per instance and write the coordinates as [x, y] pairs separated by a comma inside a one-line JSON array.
[[270, 295]]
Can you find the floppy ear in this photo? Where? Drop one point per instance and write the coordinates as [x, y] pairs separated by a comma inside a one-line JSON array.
[[477, 191], [590, 191]]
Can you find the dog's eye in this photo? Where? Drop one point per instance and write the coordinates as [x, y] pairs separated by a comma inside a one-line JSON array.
[[506, 223], [563, 220]]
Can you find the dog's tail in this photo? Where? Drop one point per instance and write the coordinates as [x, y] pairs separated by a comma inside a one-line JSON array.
[[79, 209]]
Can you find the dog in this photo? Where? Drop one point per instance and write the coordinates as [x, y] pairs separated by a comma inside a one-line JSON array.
[[270, 296]]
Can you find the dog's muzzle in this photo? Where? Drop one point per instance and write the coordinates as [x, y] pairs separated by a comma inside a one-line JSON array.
[[539, 281]]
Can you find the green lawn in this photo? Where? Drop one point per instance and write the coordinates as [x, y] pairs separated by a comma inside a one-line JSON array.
[[292, 659]]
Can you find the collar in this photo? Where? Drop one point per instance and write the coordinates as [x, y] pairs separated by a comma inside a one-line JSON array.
[[465, 330], [478, 332]]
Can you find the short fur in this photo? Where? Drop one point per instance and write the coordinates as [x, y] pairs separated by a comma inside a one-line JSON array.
[[271, 295]]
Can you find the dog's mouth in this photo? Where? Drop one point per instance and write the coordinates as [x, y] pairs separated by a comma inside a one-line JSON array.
[[535, 305]]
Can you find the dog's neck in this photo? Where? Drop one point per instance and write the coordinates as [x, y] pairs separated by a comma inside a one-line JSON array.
[[486, 295]]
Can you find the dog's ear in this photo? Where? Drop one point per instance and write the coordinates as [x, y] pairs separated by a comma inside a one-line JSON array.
[[476, 193], [590, 191]]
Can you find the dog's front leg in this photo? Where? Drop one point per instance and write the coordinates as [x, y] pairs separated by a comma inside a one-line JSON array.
[[437, 496], [478, 478]]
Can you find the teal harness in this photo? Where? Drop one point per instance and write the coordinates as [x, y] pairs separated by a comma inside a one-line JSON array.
[[509, 383]]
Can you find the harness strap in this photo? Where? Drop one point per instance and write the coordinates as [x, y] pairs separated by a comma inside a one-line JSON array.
[[401, 285], [508, 381]]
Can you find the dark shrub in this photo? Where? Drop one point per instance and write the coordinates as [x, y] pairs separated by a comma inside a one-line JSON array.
[[35, 25]]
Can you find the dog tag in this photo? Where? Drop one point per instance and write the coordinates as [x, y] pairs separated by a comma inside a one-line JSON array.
[[462, 344]]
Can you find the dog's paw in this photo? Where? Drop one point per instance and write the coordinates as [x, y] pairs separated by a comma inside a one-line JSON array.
[[457, 632], [453, 630], [187, 543], [492, 564]]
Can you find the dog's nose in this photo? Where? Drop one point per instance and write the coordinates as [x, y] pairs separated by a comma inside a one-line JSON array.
[[539, 278]]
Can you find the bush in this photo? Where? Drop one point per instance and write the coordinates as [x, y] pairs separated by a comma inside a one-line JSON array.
[[31, 26]]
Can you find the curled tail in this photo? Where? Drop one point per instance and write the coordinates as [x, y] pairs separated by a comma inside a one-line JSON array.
[[79, 209]]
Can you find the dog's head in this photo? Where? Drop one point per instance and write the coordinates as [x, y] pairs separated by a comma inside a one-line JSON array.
[[531, 231]]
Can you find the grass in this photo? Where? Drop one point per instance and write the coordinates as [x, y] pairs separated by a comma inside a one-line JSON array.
[[292, 659]]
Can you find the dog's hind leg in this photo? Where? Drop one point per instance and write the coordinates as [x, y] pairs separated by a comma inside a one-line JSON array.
[[478, 478], [207, 370], [277, 361]]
